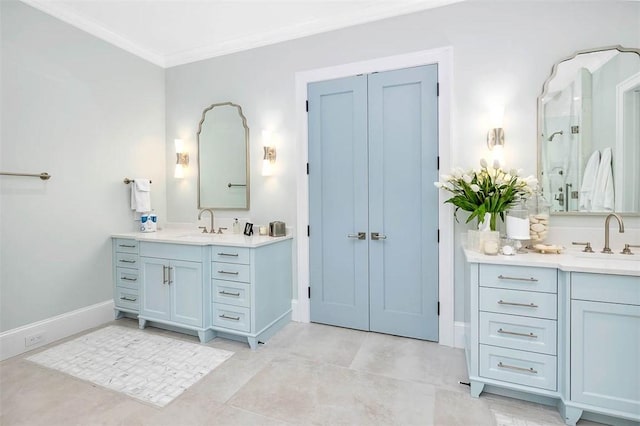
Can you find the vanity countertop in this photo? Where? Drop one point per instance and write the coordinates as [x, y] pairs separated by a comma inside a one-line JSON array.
[[201, 239], [569, 261]]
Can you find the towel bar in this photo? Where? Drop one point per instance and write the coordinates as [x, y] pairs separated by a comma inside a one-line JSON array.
[[43, 175], [127, 181]]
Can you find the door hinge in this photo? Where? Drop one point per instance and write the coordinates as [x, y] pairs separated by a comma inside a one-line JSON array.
[[438, 235], [308, 231], [307, 168], [438, 308], [306, 106], [309, 291], [437, 89], [438, 162]]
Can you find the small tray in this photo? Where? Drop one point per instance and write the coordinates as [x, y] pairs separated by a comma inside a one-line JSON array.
[[547, 248]]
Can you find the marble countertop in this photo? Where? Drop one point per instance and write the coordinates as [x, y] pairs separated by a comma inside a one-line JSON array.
[[199, 239], [571, 261]]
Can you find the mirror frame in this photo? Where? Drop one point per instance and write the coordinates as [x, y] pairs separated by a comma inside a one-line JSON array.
[[539, 136], [246, 144]]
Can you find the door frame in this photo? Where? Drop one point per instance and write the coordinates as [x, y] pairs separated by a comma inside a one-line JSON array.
[[443, 57]]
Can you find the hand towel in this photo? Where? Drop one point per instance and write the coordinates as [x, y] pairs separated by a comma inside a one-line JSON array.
[[141, 195], [603, 196], [589, 181]]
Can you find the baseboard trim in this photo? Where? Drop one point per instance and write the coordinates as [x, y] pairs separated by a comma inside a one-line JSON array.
[[458, 334], [295, 313], [12, 342]]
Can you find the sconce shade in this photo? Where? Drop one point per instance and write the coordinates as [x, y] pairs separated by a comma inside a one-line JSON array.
[[495, 137], [182, 159], [268, 160]]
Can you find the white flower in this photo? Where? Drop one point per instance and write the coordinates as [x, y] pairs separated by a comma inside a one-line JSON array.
[[474, 187], [438, 184], [466, 178], [513, 172], [483, 163], [446, 178], [457, 172], [496, 164]]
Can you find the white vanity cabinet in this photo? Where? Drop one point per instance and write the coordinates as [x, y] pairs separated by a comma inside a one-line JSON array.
[[605, 342], [126, 276], [251, 290], [173, 290]]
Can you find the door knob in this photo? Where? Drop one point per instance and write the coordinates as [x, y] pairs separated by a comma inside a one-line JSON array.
[[359, 235], [378, 236]]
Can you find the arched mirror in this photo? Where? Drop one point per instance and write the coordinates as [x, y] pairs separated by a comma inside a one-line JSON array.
[[589, 133], [223, 158]]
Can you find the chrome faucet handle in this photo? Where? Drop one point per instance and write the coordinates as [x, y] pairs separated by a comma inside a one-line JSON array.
[[220, 229], [627, 249], [204, 229], [587, 248]]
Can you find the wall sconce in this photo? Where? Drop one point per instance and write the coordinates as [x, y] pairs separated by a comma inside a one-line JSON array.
[[495, 138], [269, 157], [182, 159]]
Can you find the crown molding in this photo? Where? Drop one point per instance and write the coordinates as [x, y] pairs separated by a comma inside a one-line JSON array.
[[378, 11]]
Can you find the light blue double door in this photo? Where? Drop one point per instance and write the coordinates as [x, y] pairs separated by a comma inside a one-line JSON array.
[[373, 208]]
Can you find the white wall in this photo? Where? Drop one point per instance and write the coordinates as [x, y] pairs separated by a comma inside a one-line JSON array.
[[89, 114], [502, 53]]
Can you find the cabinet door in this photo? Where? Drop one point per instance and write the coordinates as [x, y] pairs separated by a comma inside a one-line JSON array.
[[155, 288], [605, 354], [185, 282]]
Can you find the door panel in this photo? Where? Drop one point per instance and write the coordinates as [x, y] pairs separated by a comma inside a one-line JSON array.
[[403, 149], [338, 202], [155, 290], [186, 292]]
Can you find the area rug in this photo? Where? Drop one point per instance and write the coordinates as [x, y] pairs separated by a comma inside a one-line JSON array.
[[151, 368]]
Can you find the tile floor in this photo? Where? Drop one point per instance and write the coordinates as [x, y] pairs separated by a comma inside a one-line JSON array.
[[306, 374]]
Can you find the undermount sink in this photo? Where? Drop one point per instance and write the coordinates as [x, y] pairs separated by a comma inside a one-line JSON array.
[[606, 256]]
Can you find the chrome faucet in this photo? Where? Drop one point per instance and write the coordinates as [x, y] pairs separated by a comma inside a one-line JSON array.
[[606, 248], [200, 217]]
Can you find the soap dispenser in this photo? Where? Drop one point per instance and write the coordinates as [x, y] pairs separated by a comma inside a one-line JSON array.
[[236, 226]]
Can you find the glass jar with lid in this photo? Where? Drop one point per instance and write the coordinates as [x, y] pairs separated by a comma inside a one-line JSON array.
[[539, 209]]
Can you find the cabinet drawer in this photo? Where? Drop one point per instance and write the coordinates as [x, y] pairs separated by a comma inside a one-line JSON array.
[[231, 293], [231, 272], [520, 367], [127, 278], [605, 288], [230, 254], [126, 246], [234, 317], [171, 251], [127, 260], [127, 298], [527, 303], [516, 332], [519, 278]]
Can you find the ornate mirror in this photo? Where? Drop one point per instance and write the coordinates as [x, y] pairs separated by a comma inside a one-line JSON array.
[[589, 133], [223, 158]]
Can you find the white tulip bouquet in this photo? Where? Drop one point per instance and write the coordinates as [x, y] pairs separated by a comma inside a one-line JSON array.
[[488, 190]]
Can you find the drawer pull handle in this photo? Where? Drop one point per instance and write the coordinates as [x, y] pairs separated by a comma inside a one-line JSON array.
[[228, 254], [513, 333], [228, 317], [502, 277], [528, 305], [226, 293], [513, 367], [127, 261], [127, 299], [129, 279], [226, 272], [127, 246]]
